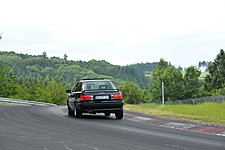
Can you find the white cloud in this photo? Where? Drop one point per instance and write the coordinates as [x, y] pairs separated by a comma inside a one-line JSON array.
[[120, 31]]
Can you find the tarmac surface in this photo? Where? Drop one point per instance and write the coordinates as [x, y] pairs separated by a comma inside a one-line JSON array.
[[50, 128]]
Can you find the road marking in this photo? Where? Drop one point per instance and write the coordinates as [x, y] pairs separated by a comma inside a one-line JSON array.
[[222, 134], [175, 125], [208, 130], [94, 148], [156, 122], [67, 148], [178, 125]]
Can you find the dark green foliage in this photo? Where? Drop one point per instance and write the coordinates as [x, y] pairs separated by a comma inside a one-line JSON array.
[[180, 68], [70, 71], [132, 94], [115, 72], [219, 92], [30, 88], [40, 78], [144, 67], [173, 83], [65, 57], [216, 78], [37, 76], [192, 83], [162, 64], [7, 80], [176, 86], [44, 55], [3, 78]]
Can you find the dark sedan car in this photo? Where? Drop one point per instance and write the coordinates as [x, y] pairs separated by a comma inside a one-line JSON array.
[[95, 96]]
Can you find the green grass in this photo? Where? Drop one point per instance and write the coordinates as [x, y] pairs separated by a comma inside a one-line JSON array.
[[206, 112], [6, 104]]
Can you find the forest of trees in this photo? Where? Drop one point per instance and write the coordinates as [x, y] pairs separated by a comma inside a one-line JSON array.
[[71, 71], [178, 86], [48, 90], [144, 67], [45, 79]]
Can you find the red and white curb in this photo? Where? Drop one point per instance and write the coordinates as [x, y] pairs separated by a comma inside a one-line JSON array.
[[175, 125]]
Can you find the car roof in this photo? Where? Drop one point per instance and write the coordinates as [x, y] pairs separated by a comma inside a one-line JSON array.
[[94, 79]]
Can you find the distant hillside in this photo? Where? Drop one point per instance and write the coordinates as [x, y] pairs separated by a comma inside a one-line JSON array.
[[148, 68], [145, 68], [25, 65]]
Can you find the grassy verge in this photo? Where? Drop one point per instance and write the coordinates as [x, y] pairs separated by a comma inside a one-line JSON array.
[[206, 112], [6, 104]]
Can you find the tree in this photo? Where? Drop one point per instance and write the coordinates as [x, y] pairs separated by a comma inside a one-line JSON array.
[[192, 83], [216, 78], [219, 92], [23, 64], [162, 64], [173, 84], [57, 91], [4, 79], [132, 94], [180, 68], [8, 88], [41, 92], [44, 54], [28, 85], [65, 57]]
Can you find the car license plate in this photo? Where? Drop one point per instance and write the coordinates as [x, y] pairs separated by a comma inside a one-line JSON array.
[[102, 97]]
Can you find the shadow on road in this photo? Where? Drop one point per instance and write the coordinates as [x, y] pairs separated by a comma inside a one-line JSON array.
[[94, 116]]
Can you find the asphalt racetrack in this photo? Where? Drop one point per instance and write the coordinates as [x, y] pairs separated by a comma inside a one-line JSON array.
[[49, 128]]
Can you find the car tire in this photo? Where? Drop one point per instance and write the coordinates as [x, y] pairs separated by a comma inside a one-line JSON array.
[[78, 114], [107, 114], [119, 114], [70, 112]]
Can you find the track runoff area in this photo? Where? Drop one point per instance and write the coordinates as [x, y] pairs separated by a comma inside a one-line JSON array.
[[175, 125]]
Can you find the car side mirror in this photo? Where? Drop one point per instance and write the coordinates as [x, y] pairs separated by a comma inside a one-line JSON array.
[[68, 91]]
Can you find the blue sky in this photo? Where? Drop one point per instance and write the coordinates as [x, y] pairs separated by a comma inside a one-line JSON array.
[[121, 32]]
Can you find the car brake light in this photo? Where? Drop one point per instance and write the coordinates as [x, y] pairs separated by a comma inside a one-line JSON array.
[[85, 97], [117, 96]]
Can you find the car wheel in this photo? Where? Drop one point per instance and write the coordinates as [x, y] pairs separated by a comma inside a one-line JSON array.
[[70, 112], [107, 114], [78, 114], [119, 114]]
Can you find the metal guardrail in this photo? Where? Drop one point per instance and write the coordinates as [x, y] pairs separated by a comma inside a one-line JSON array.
[[212, 99], [23, 102]]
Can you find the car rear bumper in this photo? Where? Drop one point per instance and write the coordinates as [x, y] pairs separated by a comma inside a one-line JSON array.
[[100, 107]]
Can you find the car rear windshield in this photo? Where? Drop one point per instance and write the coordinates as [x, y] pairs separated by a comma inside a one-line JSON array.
[[98, 85]]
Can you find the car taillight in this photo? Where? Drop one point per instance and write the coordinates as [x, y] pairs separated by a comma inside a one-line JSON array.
[[117, 96], [85, 98]]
